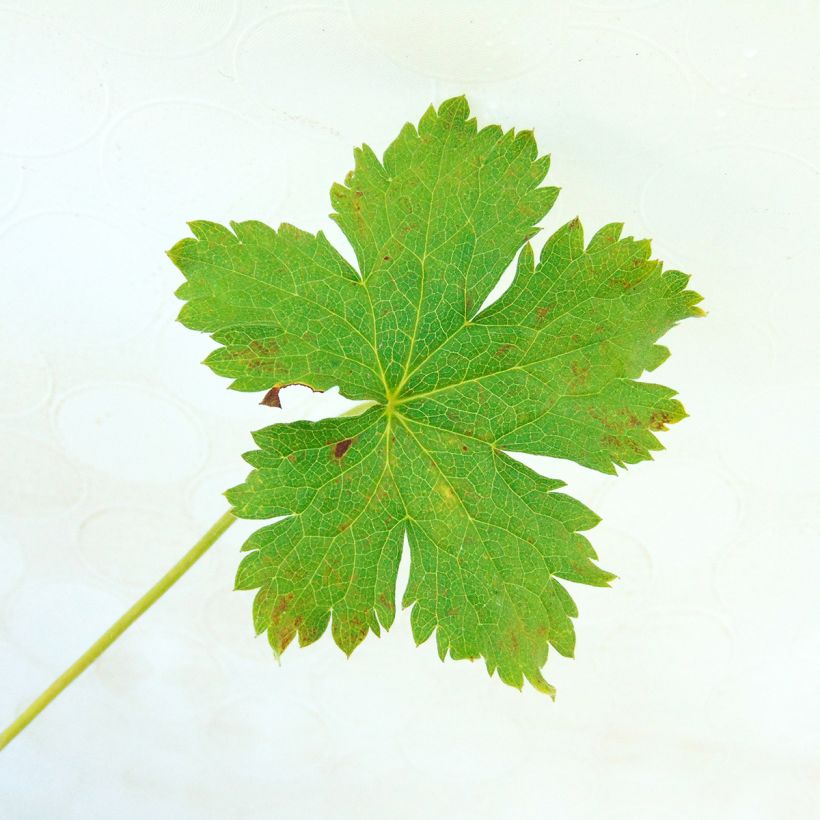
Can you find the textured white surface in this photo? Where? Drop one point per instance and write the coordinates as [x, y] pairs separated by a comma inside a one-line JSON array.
[[694, 690]]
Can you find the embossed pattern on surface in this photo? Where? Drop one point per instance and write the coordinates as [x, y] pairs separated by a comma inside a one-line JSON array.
[[692, 694]]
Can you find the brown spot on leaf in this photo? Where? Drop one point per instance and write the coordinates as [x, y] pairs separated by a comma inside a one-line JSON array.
[[659, 419], [503, 349], [580, 372], [282, 628], [263, 347], [543, 312], [341, 447], [622, 443], [280, 606], [631, 419], [282, 636], [635, 446], [271, 398], [256, 354], [601, 417]]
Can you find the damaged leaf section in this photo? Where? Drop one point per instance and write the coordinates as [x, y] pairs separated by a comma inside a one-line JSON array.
[[271, 398], [284, 306]]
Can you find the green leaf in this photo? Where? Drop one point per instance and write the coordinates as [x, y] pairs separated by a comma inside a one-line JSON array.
[[550, 368]]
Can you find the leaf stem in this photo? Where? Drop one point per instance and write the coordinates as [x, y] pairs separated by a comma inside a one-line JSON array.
[[118, 627]]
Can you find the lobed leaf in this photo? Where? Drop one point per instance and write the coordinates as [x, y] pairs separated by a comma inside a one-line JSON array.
[[551, 368]]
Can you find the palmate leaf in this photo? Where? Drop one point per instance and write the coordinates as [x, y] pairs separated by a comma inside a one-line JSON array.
[[550, 368]]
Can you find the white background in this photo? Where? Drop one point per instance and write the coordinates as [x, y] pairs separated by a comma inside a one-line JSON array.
[[694, 691]]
